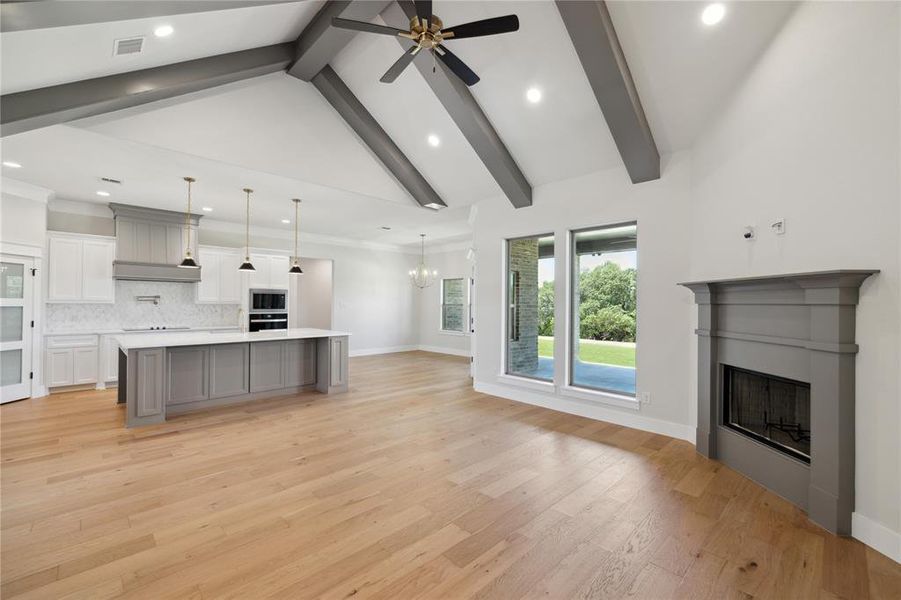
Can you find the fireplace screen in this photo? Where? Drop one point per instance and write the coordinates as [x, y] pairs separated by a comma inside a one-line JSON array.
[[771, 410]]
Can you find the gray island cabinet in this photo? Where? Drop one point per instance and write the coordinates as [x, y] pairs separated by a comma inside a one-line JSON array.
[[164, 374]]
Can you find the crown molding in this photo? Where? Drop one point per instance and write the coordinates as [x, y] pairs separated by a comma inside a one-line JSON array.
[[14, 187]]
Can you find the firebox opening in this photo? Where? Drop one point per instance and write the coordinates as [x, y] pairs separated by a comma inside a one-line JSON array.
[[771, 410]]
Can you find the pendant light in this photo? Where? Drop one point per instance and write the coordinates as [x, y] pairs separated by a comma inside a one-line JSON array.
[[188, 261], [421, 277], [247, 265], [295, 267]]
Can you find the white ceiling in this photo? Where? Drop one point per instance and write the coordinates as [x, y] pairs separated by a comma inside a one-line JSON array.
[[278, 135], [42, 57], [70, 161]]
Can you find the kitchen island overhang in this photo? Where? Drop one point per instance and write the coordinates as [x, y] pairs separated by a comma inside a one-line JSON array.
[[164, 374]]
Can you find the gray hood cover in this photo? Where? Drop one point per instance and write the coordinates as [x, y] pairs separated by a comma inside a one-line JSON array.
[[151, 242]]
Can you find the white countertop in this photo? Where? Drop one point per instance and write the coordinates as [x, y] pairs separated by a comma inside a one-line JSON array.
[[133, 341], [121, 331]]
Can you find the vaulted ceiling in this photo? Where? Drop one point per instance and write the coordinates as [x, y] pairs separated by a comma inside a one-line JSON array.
[[279, 135]]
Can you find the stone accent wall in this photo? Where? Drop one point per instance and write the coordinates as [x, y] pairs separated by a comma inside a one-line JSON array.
[[523, 352]]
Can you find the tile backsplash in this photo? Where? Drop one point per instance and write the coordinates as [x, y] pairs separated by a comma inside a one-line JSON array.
[[177, 307]]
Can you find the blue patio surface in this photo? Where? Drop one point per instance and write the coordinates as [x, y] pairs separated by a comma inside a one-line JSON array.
[[608, 377]]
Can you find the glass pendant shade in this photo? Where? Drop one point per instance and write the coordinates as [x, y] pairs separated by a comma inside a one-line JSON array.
[[421, 276], [188, 261], [247, 265], [295, 266]]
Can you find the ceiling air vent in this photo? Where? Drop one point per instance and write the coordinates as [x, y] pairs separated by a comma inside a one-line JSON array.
[[111, 180], [129, 46]]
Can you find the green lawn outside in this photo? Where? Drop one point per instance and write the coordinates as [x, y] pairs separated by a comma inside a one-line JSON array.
[[608, 353]]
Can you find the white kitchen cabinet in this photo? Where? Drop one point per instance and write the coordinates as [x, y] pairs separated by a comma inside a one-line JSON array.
[[271, 272], [109, 362], [84, 365], [71, 360], [80, 269], [58, 369], [220, 281]]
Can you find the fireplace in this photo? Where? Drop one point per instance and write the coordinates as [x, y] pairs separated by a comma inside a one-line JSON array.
[[771, 410], [776, 384]]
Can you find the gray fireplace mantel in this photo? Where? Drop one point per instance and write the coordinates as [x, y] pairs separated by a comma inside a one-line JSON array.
[[799, 326]]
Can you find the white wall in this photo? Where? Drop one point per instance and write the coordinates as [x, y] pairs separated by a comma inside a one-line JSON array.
[[450, 264], [23, 213], [813, 136], [312, 293], [662, 211]]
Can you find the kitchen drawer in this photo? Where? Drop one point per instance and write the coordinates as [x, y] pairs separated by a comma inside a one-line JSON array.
[[71, 341]]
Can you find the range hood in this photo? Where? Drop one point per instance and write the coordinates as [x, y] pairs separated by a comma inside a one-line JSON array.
[[151, 242]]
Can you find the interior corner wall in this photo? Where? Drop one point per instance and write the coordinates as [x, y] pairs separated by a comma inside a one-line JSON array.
[[450, 265], [661, 209], [812, 136], [22, 220]]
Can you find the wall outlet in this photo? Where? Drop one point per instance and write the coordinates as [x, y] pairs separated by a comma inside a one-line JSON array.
[[778, 226], [644, 398]]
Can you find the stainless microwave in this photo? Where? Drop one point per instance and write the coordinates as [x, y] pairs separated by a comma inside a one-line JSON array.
[[268, 300]]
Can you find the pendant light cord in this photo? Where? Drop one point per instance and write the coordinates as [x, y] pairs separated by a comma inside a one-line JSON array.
[[190, 180], [296, 226], [247, 229]]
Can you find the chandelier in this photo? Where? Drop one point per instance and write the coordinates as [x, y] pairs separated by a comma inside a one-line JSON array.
[[421, 277]]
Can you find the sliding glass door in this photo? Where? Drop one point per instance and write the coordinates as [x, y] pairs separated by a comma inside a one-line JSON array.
[[604, 308], [530, 307]]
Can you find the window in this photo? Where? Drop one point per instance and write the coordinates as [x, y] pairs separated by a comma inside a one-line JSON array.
[[530, 307], [453, 299], [604, 308]]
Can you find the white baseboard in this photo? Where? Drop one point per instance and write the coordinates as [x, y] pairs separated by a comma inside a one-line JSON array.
[[877, 536], [385, 350], [586, 408], [442, 350]]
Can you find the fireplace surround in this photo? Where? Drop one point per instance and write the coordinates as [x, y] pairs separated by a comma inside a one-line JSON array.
[[776, 384]]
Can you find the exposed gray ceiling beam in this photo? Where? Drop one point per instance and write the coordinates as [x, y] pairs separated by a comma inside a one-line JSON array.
[[462, 107], [21, 16], [320, 42], [47, 106], [591, 31], [362, 122]]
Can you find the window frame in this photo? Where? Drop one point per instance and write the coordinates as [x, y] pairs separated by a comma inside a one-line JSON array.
[[463, 306], [508, 316], [571, 338]]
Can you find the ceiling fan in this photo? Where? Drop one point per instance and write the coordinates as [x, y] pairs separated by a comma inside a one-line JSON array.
[[429, 33]]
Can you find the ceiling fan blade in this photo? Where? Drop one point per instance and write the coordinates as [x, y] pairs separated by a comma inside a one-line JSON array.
[[457, 66], [492, 26], [399, 65], [363, 26], [424, 10]]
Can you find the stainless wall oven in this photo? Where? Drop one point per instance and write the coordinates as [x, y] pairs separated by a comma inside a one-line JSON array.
[[268, 310]]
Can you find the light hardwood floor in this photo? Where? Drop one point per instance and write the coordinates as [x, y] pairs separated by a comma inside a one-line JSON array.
[[411, 485]]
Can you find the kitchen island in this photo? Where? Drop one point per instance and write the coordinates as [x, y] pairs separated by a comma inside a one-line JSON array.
[[163, 374]]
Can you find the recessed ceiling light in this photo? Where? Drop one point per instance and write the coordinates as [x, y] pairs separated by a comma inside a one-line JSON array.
[[286, 221], [102, 193], [533, 95], [434, 140], [713, 14], [11, 164], [163, 31], [207, 209]]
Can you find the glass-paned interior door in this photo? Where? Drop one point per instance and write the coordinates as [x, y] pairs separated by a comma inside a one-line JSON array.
[[15, 328]]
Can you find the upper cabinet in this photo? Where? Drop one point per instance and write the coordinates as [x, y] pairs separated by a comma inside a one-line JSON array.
[[220, 280], [271, 272], [80, 268]]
